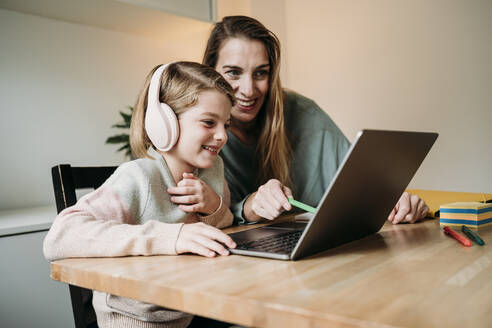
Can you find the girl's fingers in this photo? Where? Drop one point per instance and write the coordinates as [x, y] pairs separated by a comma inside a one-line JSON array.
[[187, 182], [181, 190], [189, 208], [193, 199], [202, 239], [197, 248], [211, 245], [188, 176], [215, 234]]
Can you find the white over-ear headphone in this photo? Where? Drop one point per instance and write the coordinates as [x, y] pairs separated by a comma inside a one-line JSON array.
[[161, 123]]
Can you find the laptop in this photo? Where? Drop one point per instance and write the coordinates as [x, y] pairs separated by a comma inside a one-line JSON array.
[[373, 175]]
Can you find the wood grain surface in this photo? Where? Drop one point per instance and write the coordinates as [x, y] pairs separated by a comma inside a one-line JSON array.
[[408, 275]]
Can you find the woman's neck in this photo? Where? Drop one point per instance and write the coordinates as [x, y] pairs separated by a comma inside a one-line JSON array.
[[176, 166], [247, 133]]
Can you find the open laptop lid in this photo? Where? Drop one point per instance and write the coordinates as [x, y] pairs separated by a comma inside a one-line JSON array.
[[375, 172]]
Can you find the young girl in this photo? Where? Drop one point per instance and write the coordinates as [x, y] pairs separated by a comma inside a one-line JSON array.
[[168, 201]]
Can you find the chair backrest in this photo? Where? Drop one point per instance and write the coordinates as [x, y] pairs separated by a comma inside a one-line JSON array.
[[66, 180]]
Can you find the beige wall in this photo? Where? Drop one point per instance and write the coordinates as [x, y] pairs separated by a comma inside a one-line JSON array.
[[406, 65], [392, 64]]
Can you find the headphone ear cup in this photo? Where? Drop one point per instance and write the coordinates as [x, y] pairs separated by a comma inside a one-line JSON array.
[[161, 125], [172, 125]]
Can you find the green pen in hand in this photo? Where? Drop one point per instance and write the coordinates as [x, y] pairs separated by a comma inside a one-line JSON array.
[[301, 205]]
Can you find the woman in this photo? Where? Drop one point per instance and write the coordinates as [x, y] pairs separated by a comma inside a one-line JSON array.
[[281, 144]]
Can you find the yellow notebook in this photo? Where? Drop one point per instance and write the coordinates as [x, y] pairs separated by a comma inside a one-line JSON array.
[[436, 198]]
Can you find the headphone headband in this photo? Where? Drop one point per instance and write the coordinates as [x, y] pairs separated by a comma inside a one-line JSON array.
[[155, 86]]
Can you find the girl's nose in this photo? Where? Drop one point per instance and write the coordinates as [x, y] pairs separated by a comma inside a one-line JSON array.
[[220, 134]]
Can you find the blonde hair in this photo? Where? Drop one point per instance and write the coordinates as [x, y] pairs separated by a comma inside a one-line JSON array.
[[273, 148], [181, 84]]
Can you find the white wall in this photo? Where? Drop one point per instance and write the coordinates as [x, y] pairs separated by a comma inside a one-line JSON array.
[[61, 87], [406, 65]]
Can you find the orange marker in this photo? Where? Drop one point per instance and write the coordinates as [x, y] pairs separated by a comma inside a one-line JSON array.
[[462, 239]]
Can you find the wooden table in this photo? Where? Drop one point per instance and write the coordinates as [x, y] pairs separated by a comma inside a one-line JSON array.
[[408, 275]]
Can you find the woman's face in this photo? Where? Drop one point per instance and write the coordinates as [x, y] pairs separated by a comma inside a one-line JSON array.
[[244, 64]]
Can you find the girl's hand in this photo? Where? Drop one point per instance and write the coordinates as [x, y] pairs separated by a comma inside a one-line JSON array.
[[410, 208], [194, 195], [203, 239], [268, 202]]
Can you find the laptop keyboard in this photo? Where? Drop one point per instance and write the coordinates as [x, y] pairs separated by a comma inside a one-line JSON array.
[[282, 243]]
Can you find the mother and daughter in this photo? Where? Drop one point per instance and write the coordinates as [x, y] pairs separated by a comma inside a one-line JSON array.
[[175, 197]]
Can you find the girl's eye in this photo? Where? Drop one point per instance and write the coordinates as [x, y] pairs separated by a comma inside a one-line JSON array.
[[208, 123], [227, 125]]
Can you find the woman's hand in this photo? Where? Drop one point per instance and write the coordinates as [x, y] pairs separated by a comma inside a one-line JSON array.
[[410, 208], [268, 202], [194, 195], [203, 239]]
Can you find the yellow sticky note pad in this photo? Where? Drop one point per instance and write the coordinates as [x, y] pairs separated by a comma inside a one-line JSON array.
[[470, 214]]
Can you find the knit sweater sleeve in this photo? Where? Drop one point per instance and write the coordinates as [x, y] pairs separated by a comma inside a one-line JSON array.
[[222, 217], [105, 222]]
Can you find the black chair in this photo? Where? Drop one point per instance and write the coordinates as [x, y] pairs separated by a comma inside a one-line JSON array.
[[66, 180]]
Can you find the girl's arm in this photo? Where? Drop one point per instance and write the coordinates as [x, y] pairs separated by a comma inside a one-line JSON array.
[[101, 225]]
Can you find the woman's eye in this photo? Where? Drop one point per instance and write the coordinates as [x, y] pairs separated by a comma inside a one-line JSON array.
[[261, 74], [233, 73]]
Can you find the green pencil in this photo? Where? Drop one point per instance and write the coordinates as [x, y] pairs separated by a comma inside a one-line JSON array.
[[302, 205], [472, 235]]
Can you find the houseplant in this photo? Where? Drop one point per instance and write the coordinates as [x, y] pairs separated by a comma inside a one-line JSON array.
[[123, 138]]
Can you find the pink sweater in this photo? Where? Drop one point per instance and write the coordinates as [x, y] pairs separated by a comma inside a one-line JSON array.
[[131, 214]]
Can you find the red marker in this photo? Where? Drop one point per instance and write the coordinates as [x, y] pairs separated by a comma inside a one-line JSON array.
[[462, 239]]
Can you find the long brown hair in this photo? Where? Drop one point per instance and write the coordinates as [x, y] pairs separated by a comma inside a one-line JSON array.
[[273, 149], [181, 84]]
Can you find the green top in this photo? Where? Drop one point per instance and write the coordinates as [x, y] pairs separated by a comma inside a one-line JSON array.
[[318, 149]]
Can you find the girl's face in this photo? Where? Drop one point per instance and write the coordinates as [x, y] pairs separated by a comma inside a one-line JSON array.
[[202, 131], [244, 64]]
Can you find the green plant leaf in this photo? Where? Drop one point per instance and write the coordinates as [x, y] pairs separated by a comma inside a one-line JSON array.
[[122, 138], [121, 126], [126, 117], [119, 138], [124, 147]]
